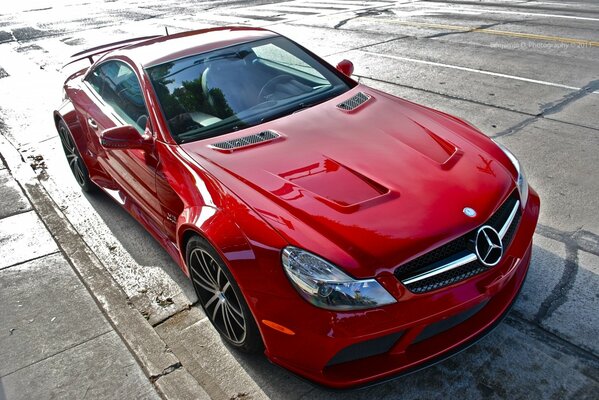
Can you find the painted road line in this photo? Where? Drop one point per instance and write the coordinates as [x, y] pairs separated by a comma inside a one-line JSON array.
[[478, 71], [461, 28], [457, 10]]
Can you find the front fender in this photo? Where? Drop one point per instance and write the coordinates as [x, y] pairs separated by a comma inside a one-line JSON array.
[[218, 229]]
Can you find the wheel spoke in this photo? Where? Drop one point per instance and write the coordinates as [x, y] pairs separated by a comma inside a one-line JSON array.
[[205, 268], [218, 274], [235, 310], [211, 266], [214, 297], [203, 285], [218, 305], [235, 318], [68, 143], [80, 174], [227, 323], [227, 286], [205, 276], [221, 304]]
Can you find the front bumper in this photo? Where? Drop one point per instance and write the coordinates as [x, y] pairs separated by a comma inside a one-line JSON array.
[[418, 330]]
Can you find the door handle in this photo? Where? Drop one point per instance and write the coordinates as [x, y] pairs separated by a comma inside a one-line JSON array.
[[92, 123]]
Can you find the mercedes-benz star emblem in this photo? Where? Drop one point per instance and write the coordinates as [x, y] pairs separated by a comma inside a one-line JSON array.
[[488, 246], [469, 212]]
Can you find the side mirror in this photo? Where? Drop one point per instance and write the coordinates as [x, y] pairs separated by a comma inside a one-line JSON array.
[[124, 137], [346, 67]]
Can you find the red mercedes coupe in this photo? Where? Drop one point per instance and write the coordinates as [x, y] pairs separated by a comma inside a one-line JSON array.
[[349, 234]]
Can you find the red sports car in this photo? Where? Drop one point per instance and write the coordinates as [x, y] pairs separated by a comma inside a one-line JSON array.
[[351, 234]]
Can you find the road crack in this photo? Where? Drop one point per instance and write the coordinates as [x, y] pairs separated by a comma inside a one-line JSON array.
[[360, 14], [476, 28], [559, 294], [552, 108], [171, 368]]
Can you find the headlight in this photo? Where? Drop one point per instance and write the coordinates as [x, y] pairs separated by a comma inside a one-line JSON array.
[[521, 180], [325, 286]]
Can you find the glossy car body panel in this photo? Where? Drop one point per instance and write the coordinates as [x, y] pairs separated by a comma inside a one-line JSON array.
[[367, 189]]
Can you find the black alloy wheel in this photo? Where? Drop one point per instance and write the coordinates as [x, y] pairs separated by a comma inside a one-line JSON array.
[[74, 159], [220, 297]]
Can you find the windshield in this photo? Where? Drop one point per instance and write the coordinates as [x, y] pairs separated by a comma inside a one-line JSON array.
[[221, 91]]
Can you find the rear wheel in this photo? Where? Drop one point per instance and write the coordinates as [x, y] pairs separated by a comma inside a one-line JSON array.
[[220, 297], [74, 159]]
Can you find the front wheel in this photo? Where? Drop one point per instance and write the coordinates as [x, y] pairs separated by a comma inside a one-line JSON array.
[[74, 159], [220, 297]]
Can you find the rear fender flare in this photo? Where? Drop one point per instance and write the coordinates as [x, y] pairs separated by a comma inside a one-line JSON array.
[[68, 115]]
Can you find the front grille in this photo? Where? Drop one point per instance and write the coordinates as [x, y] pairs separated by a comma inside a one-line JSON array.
[[457, 249], [246, 140], [354, 102]]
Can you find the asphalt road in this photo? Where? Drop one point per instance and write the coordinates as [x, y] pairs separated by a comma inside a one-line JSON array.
[[524, 72]]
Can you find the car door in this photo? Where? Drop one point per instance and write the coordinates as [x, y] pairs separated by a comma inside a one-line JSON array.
[[117, 99]]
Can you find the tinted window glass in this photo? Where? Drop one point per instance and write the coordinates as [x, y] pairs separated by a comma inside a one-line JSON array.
[[239, 86], [117, 85]]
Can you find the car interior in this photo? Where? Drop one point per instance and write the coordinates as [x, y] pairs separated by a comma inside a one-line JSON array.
[[233, 86]]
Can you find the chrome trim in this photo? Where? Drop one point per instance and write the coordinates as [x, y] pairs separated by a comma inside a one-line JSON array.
[[509, 221], [467, 258], [443, 268]]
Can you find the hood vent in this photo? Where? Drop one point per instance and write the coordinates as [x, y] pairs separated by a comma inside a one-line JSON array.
[[246, 141], [354, 102]]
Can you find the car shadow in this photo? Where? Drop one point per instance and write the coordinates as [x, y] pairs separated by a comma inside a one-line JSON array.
[[137, 241]]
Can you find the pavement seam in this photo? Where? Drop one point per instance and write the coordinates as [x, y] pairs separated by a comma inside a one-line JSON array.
[[58, 352], [553, 108], [559, 293], [515, 317], [368, 45], [31, 259], [480, 103], [15, 213], [171, 368], [106, 312], [125, 326], [168, 318], [507, 5], [585, 240], [471, 30]]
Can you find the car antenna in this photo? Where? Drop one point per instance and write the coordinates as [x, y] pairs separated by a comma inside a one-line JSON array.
[[166, 30]]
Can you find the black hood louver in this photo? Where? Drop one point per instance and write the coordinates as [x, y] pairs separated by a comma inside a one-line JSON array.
[[245, 141], [354, 102]]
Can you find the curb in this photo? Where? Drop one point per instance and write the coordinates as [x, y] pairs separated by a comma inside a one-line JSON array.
[[160, 365]]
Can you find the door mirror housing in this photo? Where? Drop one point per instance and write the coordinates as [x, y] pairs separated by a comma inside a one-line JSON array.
[[124, 137], [346, 67]]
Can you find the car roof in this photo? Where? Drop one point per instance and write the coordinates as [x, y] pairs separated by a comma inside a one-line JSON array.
[[172, 47]]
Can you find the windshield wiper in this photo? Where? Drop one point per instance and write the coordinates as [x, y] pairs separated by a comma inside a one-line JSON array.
[[303, 106]]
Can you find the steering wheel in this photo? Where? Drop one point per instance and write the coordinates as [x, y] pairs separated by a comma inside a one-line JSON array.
[[269, 86]]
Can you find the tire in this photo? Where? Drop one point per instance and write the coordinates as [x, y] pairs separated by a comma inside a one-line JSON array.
[[221, 298], [76, 163]]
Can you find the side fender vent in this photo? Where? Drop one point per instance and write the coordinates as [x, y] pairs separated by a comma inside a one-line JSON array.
[[354, 102], [245, 141]]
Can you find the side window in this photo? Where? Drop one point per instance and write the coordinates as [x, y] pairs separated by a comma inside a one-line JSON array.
[[117, 85]]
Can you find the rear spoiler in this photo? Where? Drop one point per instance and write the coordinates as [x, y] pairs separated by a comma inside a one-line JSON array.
[[105, 48]]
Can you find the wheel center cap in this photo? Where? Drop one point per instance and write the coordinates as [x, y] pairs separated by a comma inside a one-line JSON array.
[[221, 297]]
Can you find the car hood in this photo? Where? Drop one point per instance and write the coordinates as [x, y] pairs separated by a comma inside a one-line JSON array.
[[367, 188]]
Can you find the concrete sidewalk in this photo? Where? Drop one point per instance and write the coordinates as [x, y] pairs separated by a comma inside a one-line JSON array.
[[55, 342]]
